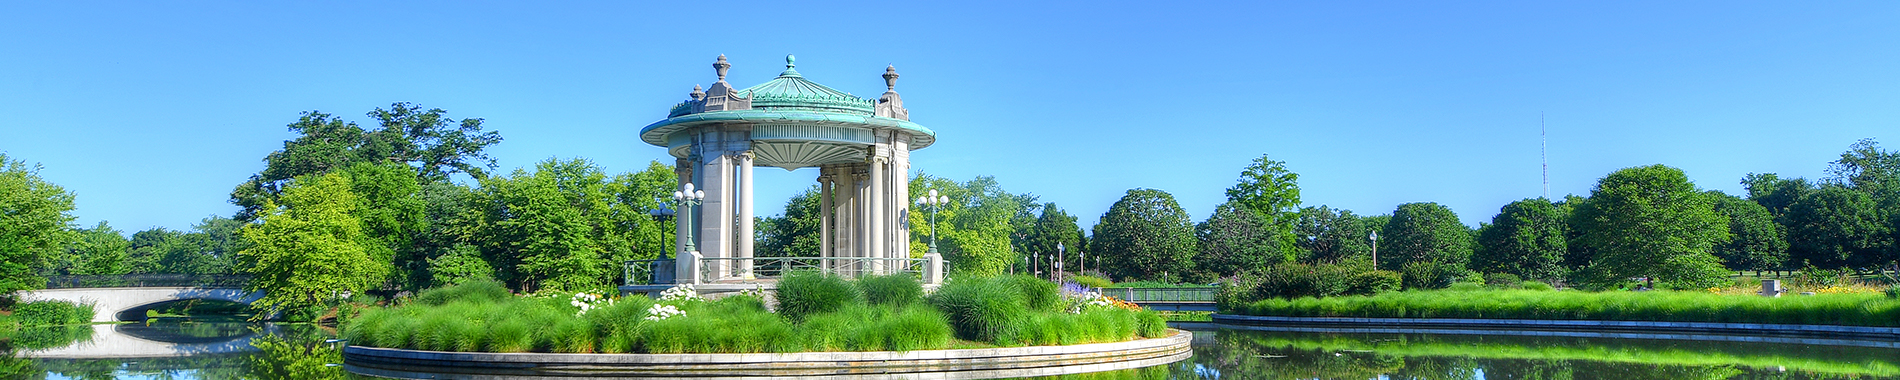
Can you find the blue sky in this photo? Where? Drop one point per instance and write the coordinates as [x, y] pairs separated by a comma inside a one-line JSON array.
[[150, 112]]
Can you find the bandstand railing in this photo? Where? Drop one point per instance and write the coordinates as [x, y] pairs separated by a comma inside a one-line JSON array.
[[662, 271], [722, 268]]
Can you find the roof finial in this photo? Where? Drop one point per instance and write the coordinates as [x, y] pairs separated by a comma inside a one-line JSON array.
[[721, 67], [697, 94], [890, 78], [789, 61]]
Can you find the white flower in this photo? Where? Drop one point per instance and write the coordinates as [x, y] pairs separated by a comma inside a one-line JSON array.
[[660, 312]]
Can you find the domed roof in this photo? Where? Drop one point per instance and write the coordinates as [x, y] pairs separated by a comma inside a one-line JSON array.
[[791, 91]]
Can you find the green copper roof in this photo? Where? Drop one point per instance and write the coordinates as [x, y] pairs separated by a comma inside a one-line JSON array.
[[790, 91]]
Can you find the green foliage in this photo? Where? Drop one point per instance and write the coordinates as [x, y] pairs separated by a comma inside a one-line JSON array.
[[1674, 306], [1331, 236], [1038, 294], [1235, 240], [565, 227], [1145, 235], [976, 229], [1837, 227], [1424, 232], [433, 144], [1756, 242], [1527, 238], [1295, 280], [278, 358], [33, 218], [1535, 286], [794, 233], [100, 250], [893, 289], [479, 291], [310, 250], [1503, 280], [1650, 222], [1091, 281], [1052, 229], [462, 265], [52, 313], [1273, 192], [1431, 274], [804, 293], [986, 309]]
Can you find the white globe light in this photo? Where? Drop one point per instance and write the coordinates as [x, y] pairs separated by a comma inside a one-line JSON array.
[[933, 192], [689, 187], [699, 194], [678, 195]]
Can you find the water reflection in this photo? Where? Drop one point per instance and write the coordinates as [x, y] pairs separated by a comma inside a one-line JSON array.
[[1318, 355], [300, 352]]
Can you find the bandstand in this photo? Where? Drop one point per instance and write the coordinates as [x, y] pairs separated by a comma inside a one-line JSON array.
[[861, 148]]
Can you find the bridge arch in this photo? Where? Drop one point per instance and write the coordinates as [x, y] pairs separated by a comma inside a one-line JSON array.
[[108, 303]]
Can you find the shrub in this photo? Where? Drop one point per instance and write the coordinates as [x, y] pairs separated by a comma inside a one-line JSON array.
[[1038, 294], [1430, 275], [1294, 280], [894, 289], [1465, 287], [804, 293], [1091, 281], [1535, 285], [474, 291], [1373, 282], [1503, 281], [52, 313], [983, 309]]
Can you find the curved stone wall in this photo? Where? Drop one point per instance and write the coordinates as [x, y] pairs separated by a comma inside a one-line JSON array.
[[967, 364]]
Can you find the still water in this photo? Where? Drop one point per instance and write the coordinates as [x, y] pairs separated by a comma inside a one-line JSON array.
[[188, 350]]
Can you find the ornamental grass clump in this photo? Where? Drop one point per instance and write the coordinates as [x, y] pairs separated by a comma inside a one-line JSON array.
[[984, 309], [894, 289], [477, 291], [807, 292]]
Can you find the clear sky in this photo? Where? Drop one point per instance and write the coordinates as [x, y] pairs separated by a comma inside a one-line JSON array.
[[151, 112]]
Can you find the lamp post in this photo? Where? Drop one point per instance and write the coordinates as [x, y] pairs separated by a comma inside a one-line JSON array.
[[933, 202], [688, 198], [661, 215], [1059, 253], [1375, 249]]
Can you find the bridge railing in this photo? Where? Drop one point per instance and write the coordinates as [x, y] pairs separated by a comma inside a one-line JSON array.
[[146, 280], [1181, 294]]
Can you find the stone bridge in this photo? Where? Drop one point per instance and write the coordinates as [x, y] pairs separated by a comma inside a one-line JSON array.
[[113, 304]]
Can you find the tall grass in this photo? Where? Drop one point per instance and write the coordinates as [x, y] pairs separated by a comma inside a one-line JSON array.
[[52, 313], [1676, 306], [471, 320], [809, 292]]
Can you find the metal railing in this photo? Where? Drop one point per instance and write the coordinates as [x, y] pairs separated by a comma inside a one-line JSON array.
[[719, 268], [1182, 294], [648, 272], [146, 280]]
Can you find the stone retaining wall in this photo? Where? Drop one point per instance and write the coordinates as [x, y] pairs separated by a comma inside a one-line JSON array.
[[1010, 361]]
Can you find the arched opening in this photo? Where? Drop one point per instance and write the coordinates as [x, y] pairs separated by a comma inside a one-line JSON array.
[[189, 310]]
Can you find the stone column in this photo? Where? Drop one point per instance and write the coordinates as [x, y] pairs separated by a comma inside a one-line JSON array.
[[715, 237], [744, 236], [877, 190], [824, 215]]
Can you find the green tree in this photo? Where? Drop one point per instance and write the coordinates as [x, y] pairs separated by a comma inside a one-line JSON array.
[[1147, 236], [433, 144], [1331, 236], [34, 218], [1235, 240], [1774, 193], [1756, 242], [392, 212], [564, 226], [1268, 188], [1868, 168], [795, 233], [100, 250], [310, 250], [976, 231], [1651, 222], [1527, 238], [1055, 226], [1838, 227], [1424, 233]]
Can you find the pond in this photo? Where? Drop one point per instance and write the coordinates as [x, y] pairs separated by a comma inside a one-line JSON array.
[[226, 350]]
